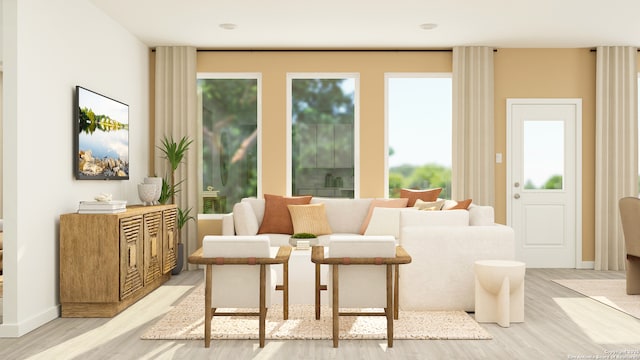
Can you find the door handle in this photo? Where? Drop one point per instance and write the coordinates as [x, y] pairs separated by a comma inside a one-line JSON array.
[[516, 196], [516, 184]]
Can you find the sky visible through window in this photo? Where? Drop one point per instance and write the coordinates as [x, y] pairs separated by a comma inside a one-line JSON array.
[[420, 112]]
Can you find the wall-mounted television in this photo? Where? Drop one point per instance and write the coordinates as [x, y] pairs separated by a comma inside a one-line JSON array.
[[101, 137]]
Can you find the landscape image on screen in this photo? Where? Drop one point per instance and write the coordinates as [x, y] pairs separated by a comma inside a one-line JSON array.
[[103, 137]]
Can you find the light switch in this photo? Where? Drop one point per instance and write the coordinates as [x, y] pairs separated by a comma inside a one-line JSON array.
[[498, 158]]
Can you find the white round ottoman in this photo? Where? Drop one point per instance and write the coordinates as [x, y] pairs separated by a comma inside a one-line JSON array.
[[499, 291]]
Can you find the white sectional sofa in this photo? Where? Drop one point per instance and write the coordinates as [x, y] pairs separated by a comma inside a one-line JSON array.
[[443, 244]]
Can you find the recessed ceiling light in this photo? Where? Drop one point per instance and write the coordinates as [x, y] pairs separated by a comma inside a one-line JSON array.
[[228, 26], [428, 26]]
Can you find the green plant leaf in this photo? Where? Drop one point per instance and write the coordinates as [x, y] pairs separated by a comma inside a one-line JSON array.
[[184, 217]]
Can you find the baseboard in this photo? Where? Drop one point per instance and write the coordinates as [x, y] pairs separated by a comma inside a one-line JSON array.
[[24, 327], [586, 265]]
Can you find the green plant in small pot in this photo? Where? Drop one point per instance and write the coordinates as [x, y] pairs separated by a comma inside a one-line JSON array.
[[181, 220], [311, 238]]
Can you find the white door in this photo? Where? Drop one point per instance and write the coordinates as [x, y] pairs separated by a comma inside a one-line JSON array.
[[544, 180]]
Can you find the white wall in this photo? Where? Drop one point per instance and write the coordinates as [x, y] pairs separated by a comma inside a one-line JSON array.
[[49, 47]]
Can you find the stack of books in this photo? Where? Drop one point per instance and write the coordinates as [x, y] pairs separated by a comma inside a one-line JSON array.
[[102, 207]]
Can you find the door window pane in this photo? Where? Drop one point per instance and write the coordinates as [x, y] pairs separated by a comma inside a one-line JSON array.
[[322, 136], [419, 133], [229, 110], [543, 147]]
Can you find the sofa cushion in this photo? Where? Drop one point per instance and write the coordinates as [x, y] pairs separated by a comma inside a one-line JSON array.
[[257, 205], [481, 215], [385, 221], [244, 219], [310, 218], [386, 203], [277, 219], [345, 216], [424, 195]]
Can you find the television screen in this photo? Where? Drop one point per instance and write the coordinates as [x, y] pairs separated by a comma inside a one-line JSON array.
[[101, 135]]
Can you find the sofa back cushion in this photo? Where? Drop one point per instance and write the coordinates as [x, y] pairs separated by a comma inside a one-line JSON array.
[[258, 207], [386, 221], [345, 216], [245, 221], [434, 218], [481, 215]]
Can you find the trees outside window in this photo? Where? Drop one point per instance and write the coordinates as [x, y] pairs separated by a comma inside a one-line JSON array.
[[322, 122], [229, 111]]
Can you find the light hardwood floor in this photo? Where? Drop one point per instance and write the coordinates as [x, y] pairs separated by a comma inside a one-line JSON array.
[[559, 324]]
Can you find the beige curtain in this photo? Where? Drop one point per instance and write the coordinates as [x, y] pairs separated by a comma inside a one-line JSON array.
[[473, 144], [176, 109], [616, 149]]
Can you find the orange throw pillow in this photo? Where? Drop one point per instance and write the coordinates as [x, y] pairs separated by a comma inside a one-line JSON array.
[[385, 203], [461, 205], [277, 219], [424, 195]]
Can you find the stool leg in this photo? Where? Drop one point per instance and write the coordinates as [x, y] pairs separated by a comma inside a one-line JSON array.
[[517, 304], [503, 303]]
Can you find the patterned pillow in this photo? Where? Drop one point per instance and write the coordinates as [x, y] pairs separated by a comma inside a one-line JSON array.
[[310, 218], [429, 205]]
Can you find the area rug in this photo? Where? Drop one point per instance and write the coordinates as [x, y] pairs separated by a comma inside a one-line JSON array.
[[186, 321], [611, 292]]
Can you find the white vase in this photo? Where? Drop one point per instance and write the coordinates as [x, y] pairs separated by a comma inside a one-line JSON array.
[[147, 193], [157, 181]]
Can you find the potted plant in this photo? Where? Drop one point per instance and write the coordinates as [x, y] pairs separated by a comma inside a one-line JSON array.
[[311, 238], [181, 220], [174, 153]]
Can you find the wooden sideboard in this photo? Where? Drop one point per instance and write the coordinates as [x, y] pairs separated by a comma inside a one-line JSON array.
[[110, 261]]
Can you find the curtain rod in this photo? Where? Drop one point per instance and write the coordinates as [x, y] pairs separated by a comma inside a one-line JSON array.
[[325, 50]]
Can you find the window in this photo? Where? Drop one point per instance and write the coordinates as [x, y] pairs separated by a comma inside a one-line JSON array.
[[419, 132], [322, 134], [543, 151], [228, 106]]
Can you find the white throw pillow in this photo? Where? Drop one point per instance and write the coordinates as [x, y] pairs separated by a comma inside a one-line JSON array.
[[385, 221], [429, 205], [244, 219]]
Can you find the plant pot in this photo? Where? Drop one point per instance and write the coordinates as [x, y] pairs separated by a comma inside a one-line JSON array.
[[294, 241], [179, 260]]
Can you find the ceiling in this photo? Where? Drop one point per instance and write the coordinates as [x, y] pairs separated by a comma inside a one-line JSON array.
[[378, 24]]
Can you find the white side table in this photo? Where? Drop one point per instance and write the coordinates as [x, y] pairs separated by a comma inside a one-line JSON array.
[[499, 291]]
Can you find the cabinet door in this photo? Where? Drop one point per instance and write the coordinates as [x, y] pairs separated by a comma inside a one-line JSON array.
[[169, 244], [131, 256], [152, 246]]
